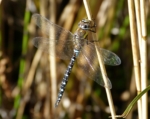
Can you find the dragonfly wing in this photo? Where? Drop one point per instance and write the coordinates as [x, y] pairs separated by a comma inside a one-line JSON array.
[[47, 27], [63, 50], [108, 57], [88, 61], [56, 35]]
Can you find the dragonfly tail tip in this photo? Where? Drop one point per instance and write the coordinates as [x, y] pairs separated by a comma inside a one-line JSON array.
[[56, 104]]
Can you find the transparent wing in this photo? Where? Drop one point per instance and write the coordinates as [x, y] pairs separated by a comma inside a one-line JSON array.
[[88, 61], [61, 38], [63, 50], [109, 57], [47, 28]]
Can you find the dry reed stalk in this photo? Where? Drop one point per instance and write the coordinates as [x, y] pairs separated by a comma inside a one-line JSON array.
[[138, 19], [43, 6], [134, 43], [102, 67], [31, 73], [23, 102], [28, 82], [144, 59], [70, 10], [132, 91], [52, 59]]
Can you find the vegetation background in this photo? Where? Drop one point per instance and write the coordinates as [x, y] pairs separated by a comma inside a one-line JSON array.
[[25, 79]]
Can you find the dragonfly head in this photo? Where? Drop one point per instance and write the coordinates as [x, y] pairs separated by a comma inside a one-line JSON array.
[[87, 24]]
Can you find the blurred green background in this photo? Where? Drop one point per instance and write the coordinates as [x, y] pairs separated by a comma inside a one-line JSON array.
[[83, 98]]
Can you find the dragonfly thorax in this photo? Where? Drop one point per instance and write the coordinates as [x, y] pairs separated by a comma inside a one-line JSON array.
[[80, 34], [79, 38]]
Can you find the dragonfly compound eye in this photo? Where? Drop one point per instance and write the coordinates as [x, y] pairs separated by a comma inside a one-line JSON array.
[[86, 26]]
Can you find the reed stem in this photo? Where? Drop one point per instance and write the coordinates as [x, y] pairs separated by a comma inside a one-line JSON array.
[[52, 59], [144, 60], [102, 67], [134, 43]]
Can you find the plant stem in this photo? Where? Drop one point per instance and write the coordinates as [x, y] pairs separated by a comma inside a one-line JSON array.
[[135, 51], [52, 59], [22, 61], [102, 67], [18, 99], [144, 59]]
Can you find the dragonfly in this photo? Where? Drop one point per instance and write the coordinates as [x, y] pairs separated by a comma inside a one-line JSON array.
[[70, 46]]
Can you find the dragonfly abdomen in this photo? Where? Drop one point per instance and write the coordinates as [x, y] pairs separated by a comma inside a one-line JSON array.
[[65, 79]]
